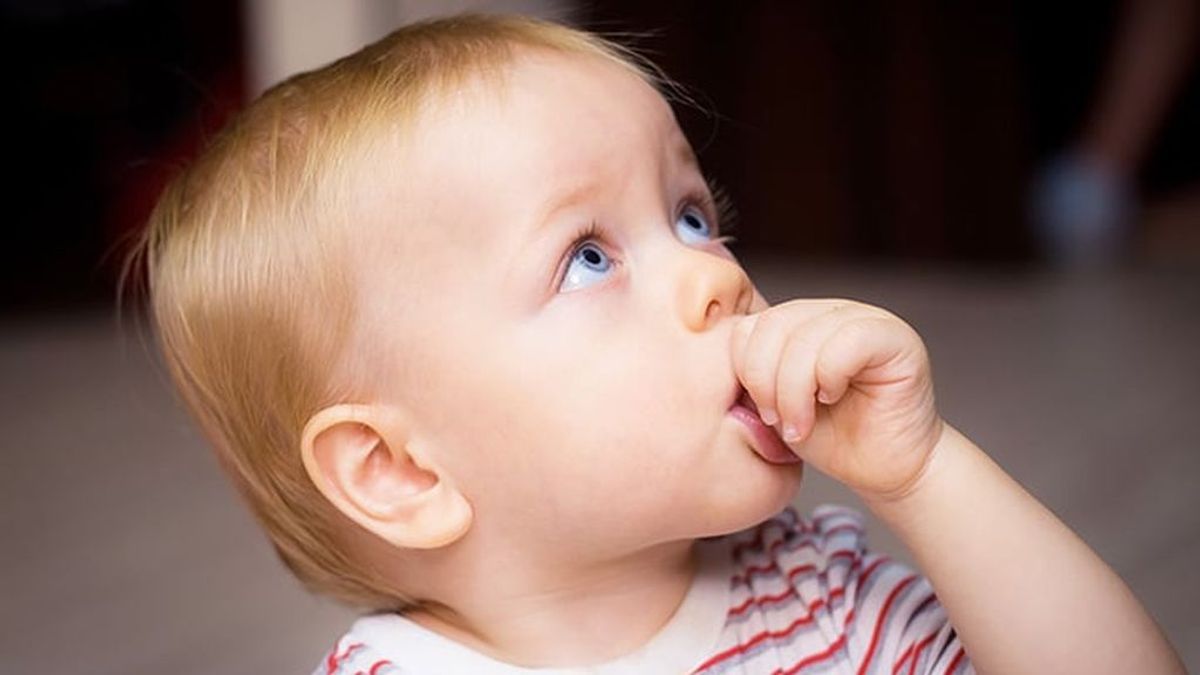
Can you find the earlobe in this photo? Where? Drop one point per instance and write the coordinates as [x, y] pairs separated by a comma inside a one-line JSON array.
[[363, 460]]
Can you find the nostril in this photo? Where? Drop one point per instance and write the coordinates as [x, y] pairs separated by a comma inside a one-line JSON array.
[[713, 309]]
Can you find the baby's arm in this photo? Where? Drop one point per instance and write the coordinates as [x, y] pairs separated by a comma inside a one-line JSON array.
[[1023, 592]]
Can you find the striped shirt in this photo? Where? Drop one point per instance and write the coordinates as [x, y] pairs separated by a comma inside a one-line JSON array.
[[792, 595]]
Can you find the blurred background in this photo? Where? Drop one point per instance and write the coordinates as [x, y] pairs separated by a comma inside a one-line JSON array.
[[1020, 181]]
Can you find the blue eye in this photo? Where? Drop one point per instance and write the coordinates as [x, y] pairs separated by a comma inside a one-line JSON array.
[[695, 224], [593, 263]]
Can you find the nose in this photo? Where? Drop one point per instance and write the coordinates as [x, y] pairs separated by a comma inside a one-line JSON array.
[[711, 288]]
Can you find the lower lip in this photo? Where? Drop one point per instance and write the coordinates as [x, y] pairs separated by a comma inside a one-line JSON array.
[[767, 443]]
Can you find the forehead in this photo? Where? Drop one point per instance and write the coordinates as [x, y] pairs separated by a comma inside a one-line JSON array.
[[552, 118], [550, 122], [579, 104]]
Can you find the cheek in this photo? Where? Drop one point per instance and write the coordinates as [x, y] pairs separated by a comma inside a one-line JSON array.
[[570, 423], [616, 425], [567, 429]]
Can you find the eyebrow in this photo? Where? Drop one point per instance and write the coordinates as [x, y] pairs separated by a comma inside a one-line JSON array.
[[580, 191]]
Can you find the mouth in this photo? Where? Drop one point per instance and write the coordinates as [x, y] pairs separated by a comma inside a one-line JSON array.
[[765, 441], [743, 399]]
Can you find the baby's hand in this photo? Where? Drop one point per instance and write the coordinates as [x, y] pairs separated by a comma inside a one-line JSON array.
[[876, 425]]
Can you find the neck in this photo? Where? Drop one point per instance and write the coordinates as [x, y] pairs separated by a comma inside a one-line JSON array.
[[554, 616]]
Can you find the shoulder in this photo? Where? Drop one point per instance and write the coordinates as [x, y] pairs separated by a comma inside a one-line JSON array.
[[390, 644], [353, 653]]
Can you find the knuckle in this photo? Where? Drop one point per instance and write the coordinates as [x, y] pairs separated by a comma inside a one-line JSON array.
[[770, 322], [855, 329], [843, 304], [860, 308]]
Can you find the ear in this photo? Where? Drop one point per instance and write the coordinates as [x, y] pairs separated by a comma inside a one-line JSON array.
[[361, 457]]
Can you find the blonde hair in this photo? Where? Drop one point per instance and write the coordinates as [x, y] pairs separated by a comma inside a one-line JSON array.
[[245, 265]]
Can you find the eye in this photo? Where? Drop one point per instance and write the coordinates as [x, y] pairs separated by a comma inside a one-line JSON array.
[[693, 223], [588, 263]]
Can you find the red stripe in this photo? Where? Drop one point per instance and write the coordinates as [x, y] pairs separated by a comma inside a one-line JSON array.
[[378, 664], [770, 599], [809, 540], [816, 605], [954, 663], [333, 661], [759, 637], [900, 661], [791, 574], [802, 526], [904, 655], [764, 635], [916, 654], [854, 556], [887, 604], [765, 599], [815, 658], [774, 566]]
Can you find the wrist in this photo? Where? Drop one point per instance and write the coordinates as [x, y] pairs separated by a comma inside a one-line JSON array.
[[947, 441]]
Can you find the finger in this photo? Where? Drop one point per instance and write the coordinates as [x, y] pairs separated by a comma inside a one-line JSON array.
[[795, 385], [857, 346], [796, 381], [758, 340], [740, 336], [760, 360]]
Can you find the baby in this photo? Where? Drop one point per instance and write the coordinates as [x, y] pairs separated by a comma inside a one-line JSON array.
[[456, 313]]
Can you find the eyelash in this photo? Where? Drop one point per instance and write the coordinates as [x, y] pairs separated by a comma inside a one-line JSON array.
[[718, 204]]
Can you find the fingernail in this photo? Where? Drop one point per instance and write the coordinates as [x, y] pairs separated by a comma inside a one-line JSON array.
[[768, 417], [790, 433]]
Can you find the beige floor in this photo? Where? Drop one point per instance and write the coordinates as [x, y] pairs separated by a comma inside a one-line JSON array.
[[125, 552]]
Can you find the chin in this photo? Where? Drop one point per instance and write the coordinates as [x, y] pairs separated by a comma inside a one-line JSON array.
[[749, 503], [786, 489]]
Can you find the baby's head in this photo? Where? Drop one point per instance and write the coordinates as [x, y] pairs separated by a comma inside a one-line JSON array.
[[458, 301]]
